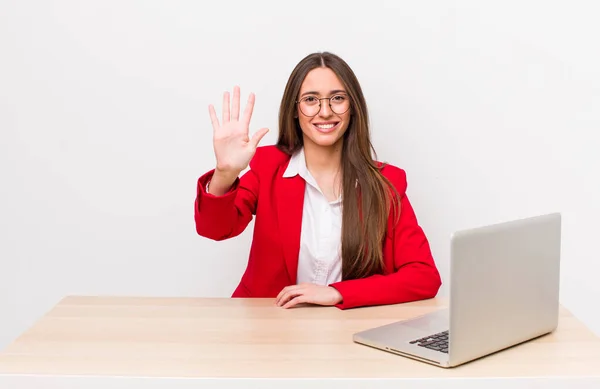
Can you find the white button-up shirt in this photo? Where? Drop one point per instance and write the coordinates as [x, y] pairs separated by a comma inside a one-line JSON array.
[[319, 260]]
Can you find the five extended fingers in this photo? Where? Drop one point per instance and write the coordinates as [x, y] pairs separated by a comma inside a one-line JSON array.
[[231, 109], [231, 113]]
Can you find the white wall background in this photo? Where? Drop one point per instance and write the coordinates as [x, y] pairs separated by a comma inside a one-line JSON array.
[[493, 108]]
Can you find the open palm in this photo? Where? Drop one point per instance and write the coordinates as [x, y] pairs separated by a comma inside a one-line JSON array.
[[233, 147]]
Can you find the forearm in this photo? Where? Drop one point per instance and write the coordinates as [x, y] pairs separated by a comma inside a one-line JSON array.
[[224, 216], [221, 182], [414, 281]]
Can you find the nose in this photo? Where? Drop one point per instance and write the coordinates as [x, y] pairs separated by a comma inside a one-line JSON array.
[[325, 110]]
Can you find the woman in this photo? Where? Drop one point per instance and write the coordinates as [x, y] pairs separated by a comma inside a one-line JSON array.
[[332, 226]]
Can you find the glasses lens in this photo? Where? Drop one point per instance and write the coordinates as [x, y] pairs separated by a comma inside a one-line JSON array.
[[339, 104], [310, 106]]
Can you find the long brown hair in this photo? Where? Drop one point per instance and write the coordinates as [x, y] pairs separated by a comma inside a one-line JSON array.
[[367, 194]]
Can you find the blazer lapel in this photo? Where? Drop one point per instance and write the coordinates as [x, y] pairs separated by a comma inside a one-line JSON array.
[[290, 202]]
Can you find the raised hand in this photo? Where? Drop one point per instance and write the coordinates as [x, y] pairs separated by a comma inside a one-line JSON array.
[[232, 145]]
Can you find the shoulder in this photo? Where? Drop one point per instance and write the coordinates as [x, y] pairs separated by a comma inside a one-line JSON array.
[[271, 153], [269, 159], [395, 175]]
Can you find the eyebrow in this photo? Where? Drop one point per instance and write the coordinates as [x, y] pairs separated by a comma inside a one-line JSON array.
[[317, 93]]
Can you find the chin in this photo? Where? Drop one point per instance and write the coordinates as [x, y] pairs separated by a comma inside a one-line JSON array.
[[325, 141], [324, 137]]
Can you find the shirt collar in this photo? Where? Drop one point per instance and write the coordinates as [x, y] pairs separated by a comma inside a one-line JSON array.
[[297, 166]]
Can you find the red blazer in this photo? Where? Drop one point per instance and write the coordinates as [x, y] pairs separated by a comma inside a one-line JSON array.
[[277, 204]]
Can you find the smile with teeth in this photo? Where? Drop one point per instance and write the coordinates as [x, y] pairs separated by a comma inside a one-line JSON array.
[[327, 126]]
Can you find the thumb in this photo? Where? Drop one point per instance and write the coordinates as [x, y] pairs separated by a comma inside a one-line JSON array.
[[258, 136]]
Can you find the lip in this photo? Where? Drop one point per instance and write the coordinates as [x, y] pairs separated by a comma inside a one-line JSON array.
[[328, 130]]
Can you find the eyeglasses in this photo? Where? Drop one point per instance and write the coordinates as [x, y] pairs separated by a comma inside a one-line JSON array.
[[311, 105]]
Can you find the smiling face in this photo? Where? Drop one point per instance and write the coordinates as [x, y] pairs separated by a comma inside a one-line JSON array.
[[327, 127]]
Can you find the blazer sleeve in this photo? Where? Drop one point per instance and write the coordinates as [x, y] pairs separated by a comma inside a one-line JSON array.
[[227, 216], [415, 275]]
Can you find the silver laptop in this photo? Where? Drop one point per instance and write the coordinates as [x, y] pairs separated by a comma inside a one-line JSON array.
[[504, 290]]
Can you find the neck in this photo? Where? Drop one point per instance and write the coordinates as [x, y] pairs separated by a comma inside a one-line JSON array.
[[323, 160]]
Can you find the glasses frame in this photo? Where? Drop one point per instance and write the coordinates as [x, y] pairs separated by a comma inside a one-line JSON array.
[[329, 102]]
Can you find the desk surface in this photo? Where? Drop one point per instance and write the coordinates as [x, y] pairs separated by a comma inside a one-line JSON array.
[[204, 337]]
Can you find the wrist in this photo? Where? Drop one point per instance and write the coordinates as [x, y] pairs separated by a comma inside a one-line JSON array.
[[221, 182], [338, 296], [225, 174]]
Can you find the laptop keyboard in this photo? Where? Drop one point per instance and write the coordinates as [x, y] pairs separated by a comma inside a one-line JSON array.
[[437, 342]]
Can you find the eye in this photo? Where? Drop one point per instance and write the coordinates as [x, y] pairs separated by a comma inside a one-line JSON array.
[[310, 100], [338, 98]]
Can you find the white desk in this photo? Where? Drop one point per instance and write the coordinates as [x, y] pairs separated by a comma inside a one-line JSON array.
[[124, 342]]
